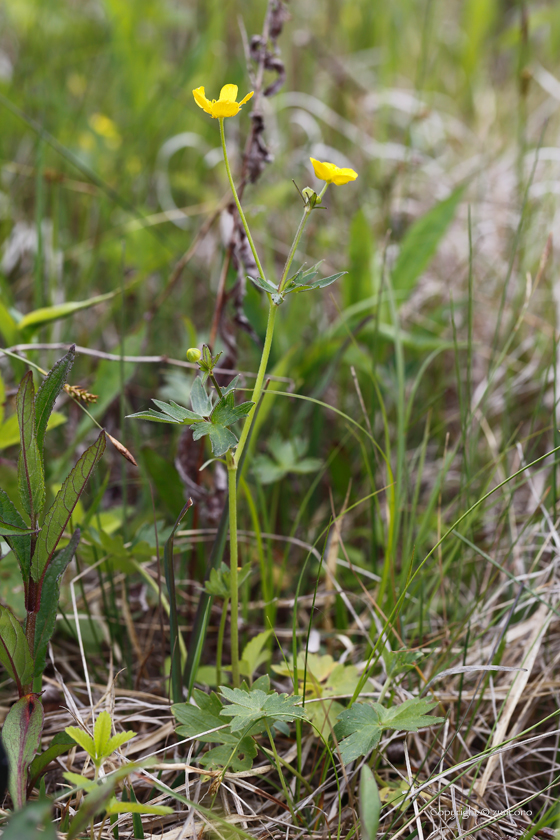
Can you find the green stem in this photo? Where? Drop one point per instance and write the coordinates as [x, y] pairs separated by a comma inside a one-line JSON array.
[[221, 633], [234, 595], [238, 203], [257, 390], [304, 219], [216, 386], [280, 773]]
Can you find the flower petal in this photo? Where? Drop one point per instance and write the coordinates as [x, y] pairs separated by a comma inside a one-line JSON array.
[[201, 100], [323, 171], [224, 108], [343, 176], [228, 93], [246, 98]]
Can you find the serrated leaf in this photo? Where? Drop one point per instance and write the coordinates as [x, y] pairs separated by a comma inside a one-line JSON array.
[[31, 479], [21, 546], [15, 655], [118, 740], [221, 438], [60, 511], [200, 401], [359, 728], [369, 804], [264, 285], [48, 392], [232, 385], [21, 736], [197, 723], [177, 412], [46, 617], [410, 715], [238, 756], [82, 738], [358, 731], [102, 734], [226, 412], [154, 416], [250, 707]]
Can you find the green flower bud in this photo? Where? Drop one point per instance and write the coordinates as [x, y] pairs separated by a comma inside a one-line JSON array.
[[310, 196], [193, 354]]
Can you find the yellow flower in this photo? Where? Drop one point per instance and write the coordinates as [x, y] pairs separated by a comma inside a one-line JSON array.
[[226, 106], [332, 174]]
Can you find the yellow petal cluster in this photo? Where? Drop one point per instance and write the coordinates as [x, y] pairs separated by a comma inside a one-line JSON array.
[[225, 106], [332, 174]]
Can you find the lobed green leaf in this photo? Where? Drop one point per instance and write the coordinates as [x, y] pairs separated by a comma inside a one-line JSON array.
[[200, 401]]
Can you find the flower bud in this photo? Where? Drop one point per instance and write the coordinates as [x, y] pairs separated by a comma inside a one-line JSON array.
[[310, 196], [193, 354]]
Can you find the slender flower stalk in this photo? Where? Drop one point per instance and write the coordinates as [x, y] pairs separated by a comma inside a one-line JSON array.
[[236, 198], [233, 561]]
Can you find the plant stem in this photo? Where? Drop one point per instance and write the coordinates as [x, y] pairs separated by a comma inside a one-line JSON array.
[[304, 219], [279, 769], [257, 390], [220, 648], [238, 203], [234, 595]]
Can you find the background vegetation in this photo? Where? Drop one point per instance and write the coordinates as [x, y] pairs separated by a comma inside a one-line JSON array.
[[440, 343]]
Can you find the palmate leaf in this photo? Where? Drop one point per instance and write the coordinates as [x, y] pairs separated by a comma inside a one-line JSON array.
[[31, 479], [59, 513], [226, 412], [221, 438], [359, 728], [178, 412], [249, 707], [200, 401], [48, 392], [154, 416], [199, 721]]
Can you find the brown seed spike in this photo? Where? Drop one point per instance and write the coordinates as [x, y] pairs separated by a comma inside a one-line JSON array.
[[122, 449]]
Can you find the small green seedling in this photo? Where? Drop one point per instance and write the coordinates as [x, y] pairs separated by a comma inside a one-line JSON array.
[[102, 745]]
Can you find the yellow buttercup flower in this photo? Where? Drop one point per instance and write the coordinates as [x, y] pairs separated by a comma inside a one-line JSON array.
[[225, 106], [332, 174]]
